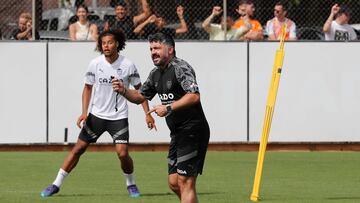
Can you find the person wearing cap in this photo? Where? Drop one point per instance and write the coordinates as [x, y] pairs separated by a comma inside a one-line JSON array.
[[174, 80], [339, 29]]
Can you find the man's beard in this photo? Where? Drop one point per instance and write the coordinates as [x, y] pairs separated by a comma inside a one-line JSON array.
[[161, 63]]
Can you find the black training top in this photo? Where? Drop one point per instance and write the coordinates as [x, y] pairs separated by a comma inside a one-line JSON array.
[[171, 84], [16, 31]]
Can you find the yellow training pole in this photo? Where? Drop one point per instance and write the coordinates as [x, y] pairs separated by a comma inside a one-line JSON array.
[[274, 84]]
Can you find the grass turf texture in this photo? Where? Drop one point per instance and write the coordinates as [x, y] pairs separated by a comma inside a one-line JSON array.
[[228, 177]]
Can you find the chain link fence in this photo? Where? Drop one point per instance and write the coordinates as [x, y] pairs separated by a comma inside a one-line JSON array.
[[54, 17]]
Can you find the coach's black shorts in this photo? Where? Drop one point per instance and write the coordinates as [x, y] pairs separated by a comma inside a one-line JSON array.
[[94, 127], [187, 152]]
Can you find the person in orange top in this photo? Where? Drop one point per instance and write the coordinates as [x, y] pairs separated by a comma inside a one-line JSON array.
[[246, 9]]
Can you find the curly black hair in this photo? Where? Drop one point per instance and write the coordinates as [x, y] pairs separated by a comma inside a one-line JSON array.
[[119, 36]]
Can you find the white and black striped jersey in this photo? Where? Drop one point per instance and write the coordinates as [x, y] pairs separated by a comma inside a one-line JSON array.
[[172, 83]]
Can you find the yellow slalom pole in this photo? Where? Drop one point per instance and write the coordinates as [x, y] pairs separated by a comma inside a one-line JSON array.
[[270, 105]]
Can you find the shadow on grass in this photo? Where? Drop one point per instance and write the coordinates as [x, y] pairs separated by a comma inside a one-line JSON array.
[[171, 194], [343, 198], [85, 195], [156, 194], [116, 194]]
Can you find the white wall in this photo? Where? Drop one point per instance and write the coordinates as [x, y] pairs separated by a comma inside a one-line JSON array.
[[317, 99], [22, 92], [67, 65]]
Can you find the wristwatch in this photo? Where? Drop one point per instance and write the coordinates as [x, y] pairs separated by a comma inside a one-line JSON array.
[[168, 109]]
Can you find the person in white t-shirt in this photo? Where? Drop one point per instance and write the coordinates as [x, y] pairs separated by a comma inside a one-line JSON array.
[[217, 31], [339, 29], [274, 26], [108, 110]]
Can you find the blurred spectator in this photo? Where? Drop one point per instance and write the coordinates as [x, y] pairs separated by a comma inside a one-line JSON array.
[[125, 22], [216, 31], [339, 29], [246, 9], [24, 29], [274, 26], [156, 23], [82, 29], [0, 34], [66, 3]]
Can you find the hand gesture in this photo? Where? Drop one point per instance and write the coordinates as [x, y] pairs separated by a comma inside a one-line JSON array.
[[335, 9], [216, 10], [29, 25], [160, 110], [80, 121], [150, 122], [180, 11], [118, 86], [151, 19]]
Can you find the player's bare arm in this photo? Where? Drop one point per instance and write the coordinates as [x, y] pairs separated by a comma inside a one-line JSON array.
[[86, 95], [150, 122]]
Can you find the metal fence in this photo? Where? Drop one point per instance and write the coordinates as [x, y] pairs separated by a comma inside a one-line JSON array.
[[52, 18]]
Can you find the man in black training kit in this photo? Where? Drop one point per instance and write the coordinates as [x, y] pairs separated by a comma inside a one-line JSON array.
[[174, 80]]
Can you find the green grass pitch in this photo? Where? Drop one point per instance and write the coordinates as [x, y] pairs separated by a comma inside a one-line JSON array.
[[228, 177]]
